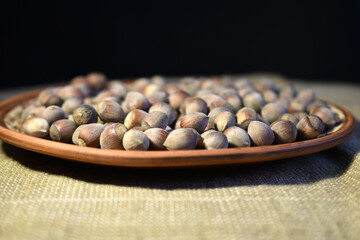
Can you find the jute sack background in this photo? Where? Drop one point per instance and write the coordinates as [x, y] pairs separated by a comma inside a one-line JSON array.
[[311, 197]]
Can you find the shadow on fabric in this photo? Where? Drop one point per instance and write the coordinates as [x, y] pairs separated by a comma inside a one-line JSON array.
[[300, 170]]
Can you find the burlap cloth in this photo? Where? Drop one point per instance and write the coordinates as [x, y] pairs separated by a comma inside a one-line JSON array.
[[311, 197]]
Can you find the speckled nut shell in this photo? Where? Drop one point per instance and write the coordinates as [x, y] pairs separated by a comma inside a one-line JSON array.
[[112, 136], [310, 127], [85, 114]]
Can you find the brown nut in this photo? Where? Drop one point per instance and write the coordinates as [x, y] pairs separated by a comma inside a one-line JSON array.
[[96, 80], [110, 111], [215, 140], [237, 137], [112, 136], [75, 136], [70, 91], [245, 115], [307, 94], [180, 139], [176, 98], [53, 113], [78, 80], [326, 115], [194, 104], [156, 97], [260, 133], [165, 108], [155, 119], [47, 98], [31, 111], [139, 84], [85, 114], [70, 104], [135, 140], [254, 100], [269, 95], [134, 118], [265, 84], [89, 135], [289, 117], [224, 120], [36, 127], [136, 100], [151, 88], [117, 88], [310, 127], [284, 131], [62, 130], [300, 115], [157, 137], [288, 92], [197, 121], [273, 111], [212, 115]]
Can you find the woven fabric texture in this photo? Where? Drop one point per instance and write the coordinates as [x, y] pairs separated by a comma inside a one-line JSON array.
[[310, 197]]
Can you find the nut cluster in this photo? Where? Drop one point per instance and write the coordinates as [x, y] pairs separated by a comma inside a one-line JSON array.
[[152, 114]]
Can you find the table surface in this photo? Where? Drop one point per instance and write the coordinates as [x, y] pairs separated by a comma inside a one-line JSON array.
[[310, 197]]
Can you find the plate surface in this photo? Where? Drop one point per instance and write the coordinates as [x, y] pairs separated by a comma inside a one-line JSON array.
[[180, 158]]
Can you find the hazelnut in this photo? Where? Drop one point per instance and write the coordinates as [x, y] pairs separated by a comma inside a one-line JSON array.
[[134, 118], [245, 115], [117, 88], [212, 115], [151, 88], [284, 131], [260, 133], [136, 100], [307, 94], [177, 98], [269, 95], [47, 98], [70, 91], [135, 140], [215, 140], [62, 130], [254, 100], [272, 111], [326, 115], [110, 111], [157, 137], [53, 113], [196, 120], [224, 120], [194, 104], [300, 115], [36, 127], [71, 104], [310, 127], [298, 104], [288, 92], [157, 97], [85, 114], [96, 80], [78, 80], [237, 137], [165, 108], [112, 136], [180, 139], [89, 135], [75, 136], [155, 119]]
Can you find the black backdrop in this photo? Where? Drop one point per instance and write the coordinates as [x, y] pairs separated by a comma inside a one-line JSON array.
[[43, 43]]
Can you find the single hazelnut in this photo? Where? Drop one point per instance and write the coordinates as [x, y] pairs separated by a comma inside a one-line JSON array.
[[151, 88], [47, 98], [224, 120], [96, 80], [232, 97], [326, 115], [237, 137], [156, 97], [62, 130], [165, 108], [290, 117], [53, 113], [71, 104], [75, 136], [117, 88], [194, 104], [134, 118], [155, 119], [36, 127], [254, 100], [85, 114], [70, 91], [157, 137], [316, 104], [260, 133], [310, 127], [89, 135], [288, 92], [196, 120], [104, 95], [189, 85], [215, 140], [242, 83], [245, 115], [140, 84], [265, 84], [135, 140], [300, 115], [180, 139], [284, 131], [110, 111], [158, 80], [136, 100], [177, 98], [307, 94], [244, 91], [298, 104], [85, 89], [269, 95], [31, 111], [273, 111], [212, 115], [112, 136]]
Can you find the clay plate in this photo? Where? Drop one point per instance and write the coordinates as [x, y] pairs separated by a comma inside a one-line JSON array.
[[180, 158]]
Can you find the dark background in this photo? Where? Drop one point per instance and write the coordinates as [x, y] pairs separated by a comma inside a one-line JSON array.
[[47, 42]]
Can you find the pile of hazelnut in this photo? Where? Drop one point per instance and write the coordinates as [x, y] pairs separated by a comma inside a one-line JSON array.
[[193, 113]]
